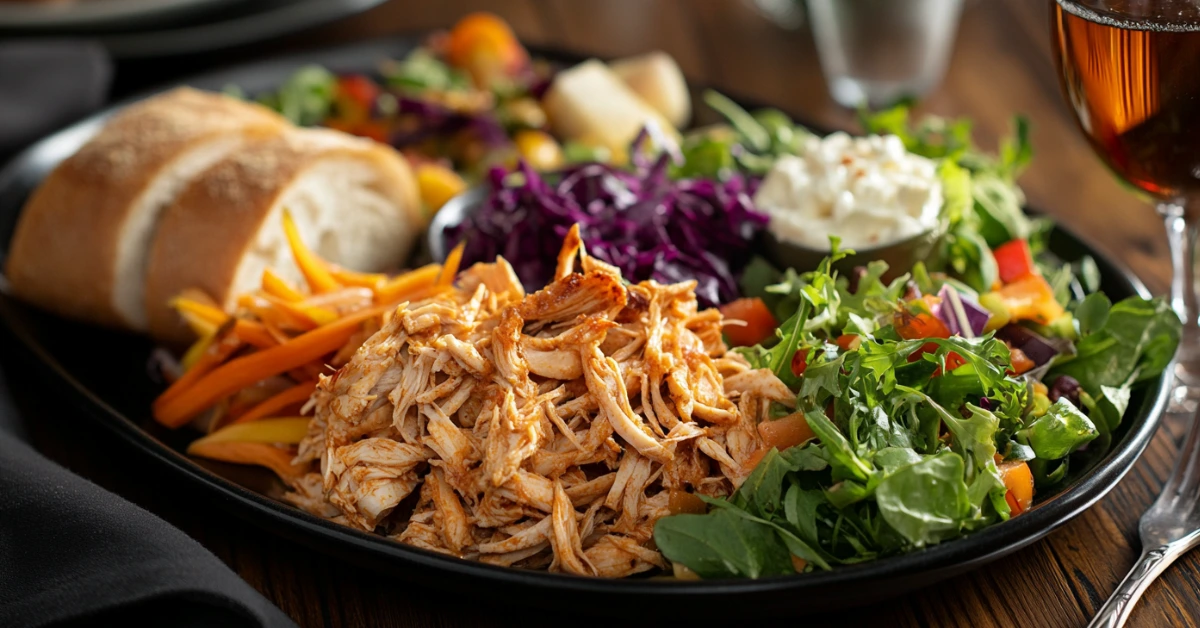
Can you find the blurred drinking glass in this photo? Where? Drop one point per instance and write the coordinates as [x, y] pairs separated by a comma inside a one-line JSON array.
[[877, 52], [1131, 73]]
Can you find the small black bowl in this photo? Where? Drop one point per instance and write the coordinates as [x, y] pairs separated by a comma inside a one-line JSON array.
[[900, 256]]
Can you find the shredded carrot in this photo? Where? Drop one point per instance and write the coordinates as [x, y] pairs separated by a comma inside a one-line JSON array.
[[275, 285], [397, 288], [315, 270], [281, 400], [267, 455], [354, 278], [254, 334], [450, 268], [188, 401], [217, 352], [270, 313], [344, 301], [314, 316]]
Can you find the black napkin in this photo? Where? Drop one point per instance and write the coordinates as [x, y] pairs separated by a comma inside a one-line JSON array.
[[44, 84], [71, 553]]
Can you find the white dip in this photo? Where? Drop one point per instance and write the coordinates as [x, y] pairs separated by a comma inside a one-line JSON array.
[[869, 191]]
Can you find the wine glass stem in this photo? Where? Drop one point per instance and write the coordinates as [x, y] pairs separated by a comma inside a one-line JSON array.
[[1181, 237]]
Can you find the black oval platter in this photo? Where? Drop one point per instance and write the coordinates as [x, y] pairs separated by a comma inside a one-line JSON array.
[[105, 373]]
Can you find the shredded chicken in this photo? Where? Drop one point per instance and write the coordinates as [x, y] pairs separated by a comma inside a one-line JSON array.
[[542, 430]]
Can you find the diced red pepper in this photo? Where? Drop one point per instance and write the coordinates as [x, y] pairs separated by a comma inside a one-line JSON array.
[[799, 362], [1014, 260], [849, 342], [359, 89], [929, 347], [953, 361]]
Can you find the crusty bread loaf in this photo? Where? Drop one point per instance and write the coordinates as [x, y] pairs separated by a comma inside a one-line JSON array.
[[80, 246], [354, 201]]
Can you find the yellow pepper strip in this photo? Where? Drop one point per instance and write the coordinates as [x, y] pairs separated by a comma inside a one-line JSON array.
[[204, 319], [450, 268], [277, 286], [357, 279], [437, 184], [267, 455], [315, 270], [399, 287], [282, 430], [196, 351]]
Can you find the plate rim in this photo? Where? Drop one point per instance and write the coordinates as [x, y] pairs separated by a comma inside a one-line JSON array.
[[958, 555]]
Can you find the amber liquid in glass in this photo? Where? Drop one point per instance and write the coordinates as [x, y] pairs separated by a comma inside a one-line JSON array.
[[1133, 82]]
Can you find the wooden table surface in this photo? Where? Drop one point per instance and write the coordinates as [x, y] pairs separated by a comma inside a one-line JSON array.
[[1002, 64]]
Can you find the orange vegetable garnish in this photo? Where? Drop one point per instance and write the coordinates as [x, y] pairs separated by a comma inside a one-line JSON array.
[[315, 270], [355, 278], [280, 401], [400, 288], [266, 455], [275, 285], [759, 325], [188, 401], [450, 268], [1030, 298], [1020, 362], [785, 432], [485, 46], [217, 352], [1018, 479]]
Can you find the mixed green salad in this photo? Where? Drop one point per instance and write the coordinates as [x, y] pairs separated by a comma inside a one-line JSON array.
[[931, 404]]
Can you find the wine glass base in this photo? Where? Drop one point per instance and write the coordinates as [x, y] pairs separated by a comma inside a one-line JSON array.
[[1185, 397]]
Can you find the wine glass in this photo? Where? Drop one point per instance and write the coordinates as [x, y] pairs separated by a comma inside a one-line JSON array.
[[1130, 70]]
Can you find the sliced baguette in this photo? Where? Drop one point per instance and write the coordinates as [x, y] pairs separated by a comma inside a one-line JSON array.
[[354, 201], [80, 246]]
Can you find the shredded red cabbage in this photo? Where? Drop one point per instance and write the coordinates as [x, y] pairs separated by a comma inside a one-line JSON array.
[[973, 315], [639, 220]]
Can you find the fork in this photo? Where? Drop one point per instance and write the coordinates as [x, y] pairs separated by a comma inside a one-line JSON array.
[[1169, 529]]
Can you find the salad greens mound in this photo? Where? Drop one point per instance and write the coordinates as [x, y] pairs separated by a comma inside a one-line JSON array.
[[930, 404]]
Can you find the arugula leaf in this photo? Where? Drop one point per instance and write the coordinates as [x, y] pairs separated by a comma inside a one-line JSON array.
[[760, 493], [842, 458], [926, 502]]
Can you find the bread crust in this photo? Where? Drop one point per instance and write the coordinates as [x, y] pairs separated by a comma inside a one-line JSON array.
[[63, 253], [215, 222]]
